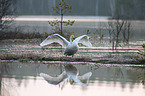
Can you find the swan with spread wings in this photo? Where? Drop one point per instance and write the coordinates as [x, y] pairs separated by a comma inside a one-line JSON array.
[[71, 47]]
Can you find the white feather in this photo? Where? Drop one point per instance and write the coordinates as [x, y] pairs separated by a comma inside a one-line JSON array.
[[70, 72], [54, 80], [84, 39], [85, 78], [71, 47], [55, 38]]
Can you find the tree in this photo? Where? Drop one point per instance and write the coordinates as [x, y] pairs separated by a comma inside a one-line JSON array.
[[135, 9], [119, 30], [61, 9], [7, 11], [142, 54]]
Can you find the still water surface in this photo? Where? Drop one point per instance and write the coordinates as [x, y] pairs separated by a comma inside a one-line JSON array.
[[33, 23], [23, 79]]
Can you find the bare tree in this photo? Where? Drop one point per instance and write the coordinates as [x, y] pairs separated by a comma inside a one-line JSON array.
[[7, 11], [119, 30], [126, 32]]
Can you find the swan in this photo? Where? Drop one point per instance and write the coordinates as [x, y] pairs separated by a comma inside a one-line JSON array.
[[70, 72], [70, 47]]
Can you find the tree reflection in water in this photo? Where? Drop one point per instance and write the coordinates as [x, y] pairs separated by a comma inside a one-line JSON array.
[[4, 69]]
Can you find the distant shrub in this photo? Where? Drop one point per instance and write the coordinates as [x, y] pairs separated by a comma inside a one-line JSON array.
[[19, 34], [141, 76], [142, 54]]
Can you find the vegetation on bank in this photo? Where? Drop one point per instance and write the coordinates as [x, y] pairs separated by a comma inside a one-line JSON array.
[[142, 54], [39, 57], [30, 56], [19, 35]]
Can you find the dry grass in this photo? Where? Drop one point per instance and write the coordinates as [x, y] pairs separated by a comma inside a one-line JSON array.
[[39, 57], [19, 35], [28, 56], [29, 50], [24, 57]]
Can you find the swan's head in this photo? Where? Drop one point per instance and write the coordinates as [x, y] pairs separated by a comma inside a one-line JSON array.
[[72, 37], [71, 81]]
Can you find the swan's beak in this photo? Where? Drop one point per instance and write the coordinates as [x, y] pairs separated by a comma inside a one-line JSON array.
[[73, 37], [71, 81]]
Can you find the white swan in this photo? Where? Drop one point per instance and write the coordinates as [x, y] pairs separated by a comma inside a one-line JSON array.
[[70, 72], [71, 47]]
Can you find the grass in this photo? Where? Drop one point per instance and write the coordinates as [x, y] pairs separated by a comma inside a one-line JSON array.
[[28, 56], [25, 57], [39, 57], [19, 35], [142, 54]]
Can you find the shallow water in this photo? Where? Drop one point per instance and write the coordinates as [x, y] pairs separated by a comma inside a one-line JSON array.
[[23, 79], [30, 23]]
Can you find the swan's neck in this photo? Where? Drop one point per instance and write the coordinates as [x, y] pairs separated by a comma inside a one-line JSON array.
[[71, 39]]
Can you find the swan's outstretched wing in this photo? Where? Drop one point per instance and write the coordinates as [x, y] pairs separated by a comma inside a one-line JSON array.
[[84, 39], [54, 80], [55, 38], [85, 78]]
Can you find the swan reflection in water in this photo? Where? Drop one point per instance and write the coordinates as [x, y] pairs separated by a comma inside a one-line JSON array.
[[70, 72]]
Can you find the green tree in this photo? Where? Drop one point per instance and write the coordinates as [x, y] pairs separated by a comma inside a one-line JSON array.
[[61, 9]]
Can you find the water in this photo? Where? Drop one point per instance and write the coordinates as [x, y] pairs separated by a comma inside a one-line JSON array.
[[40, 23], [133, 9], [30, 23], [45, 7], [23, 79]]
